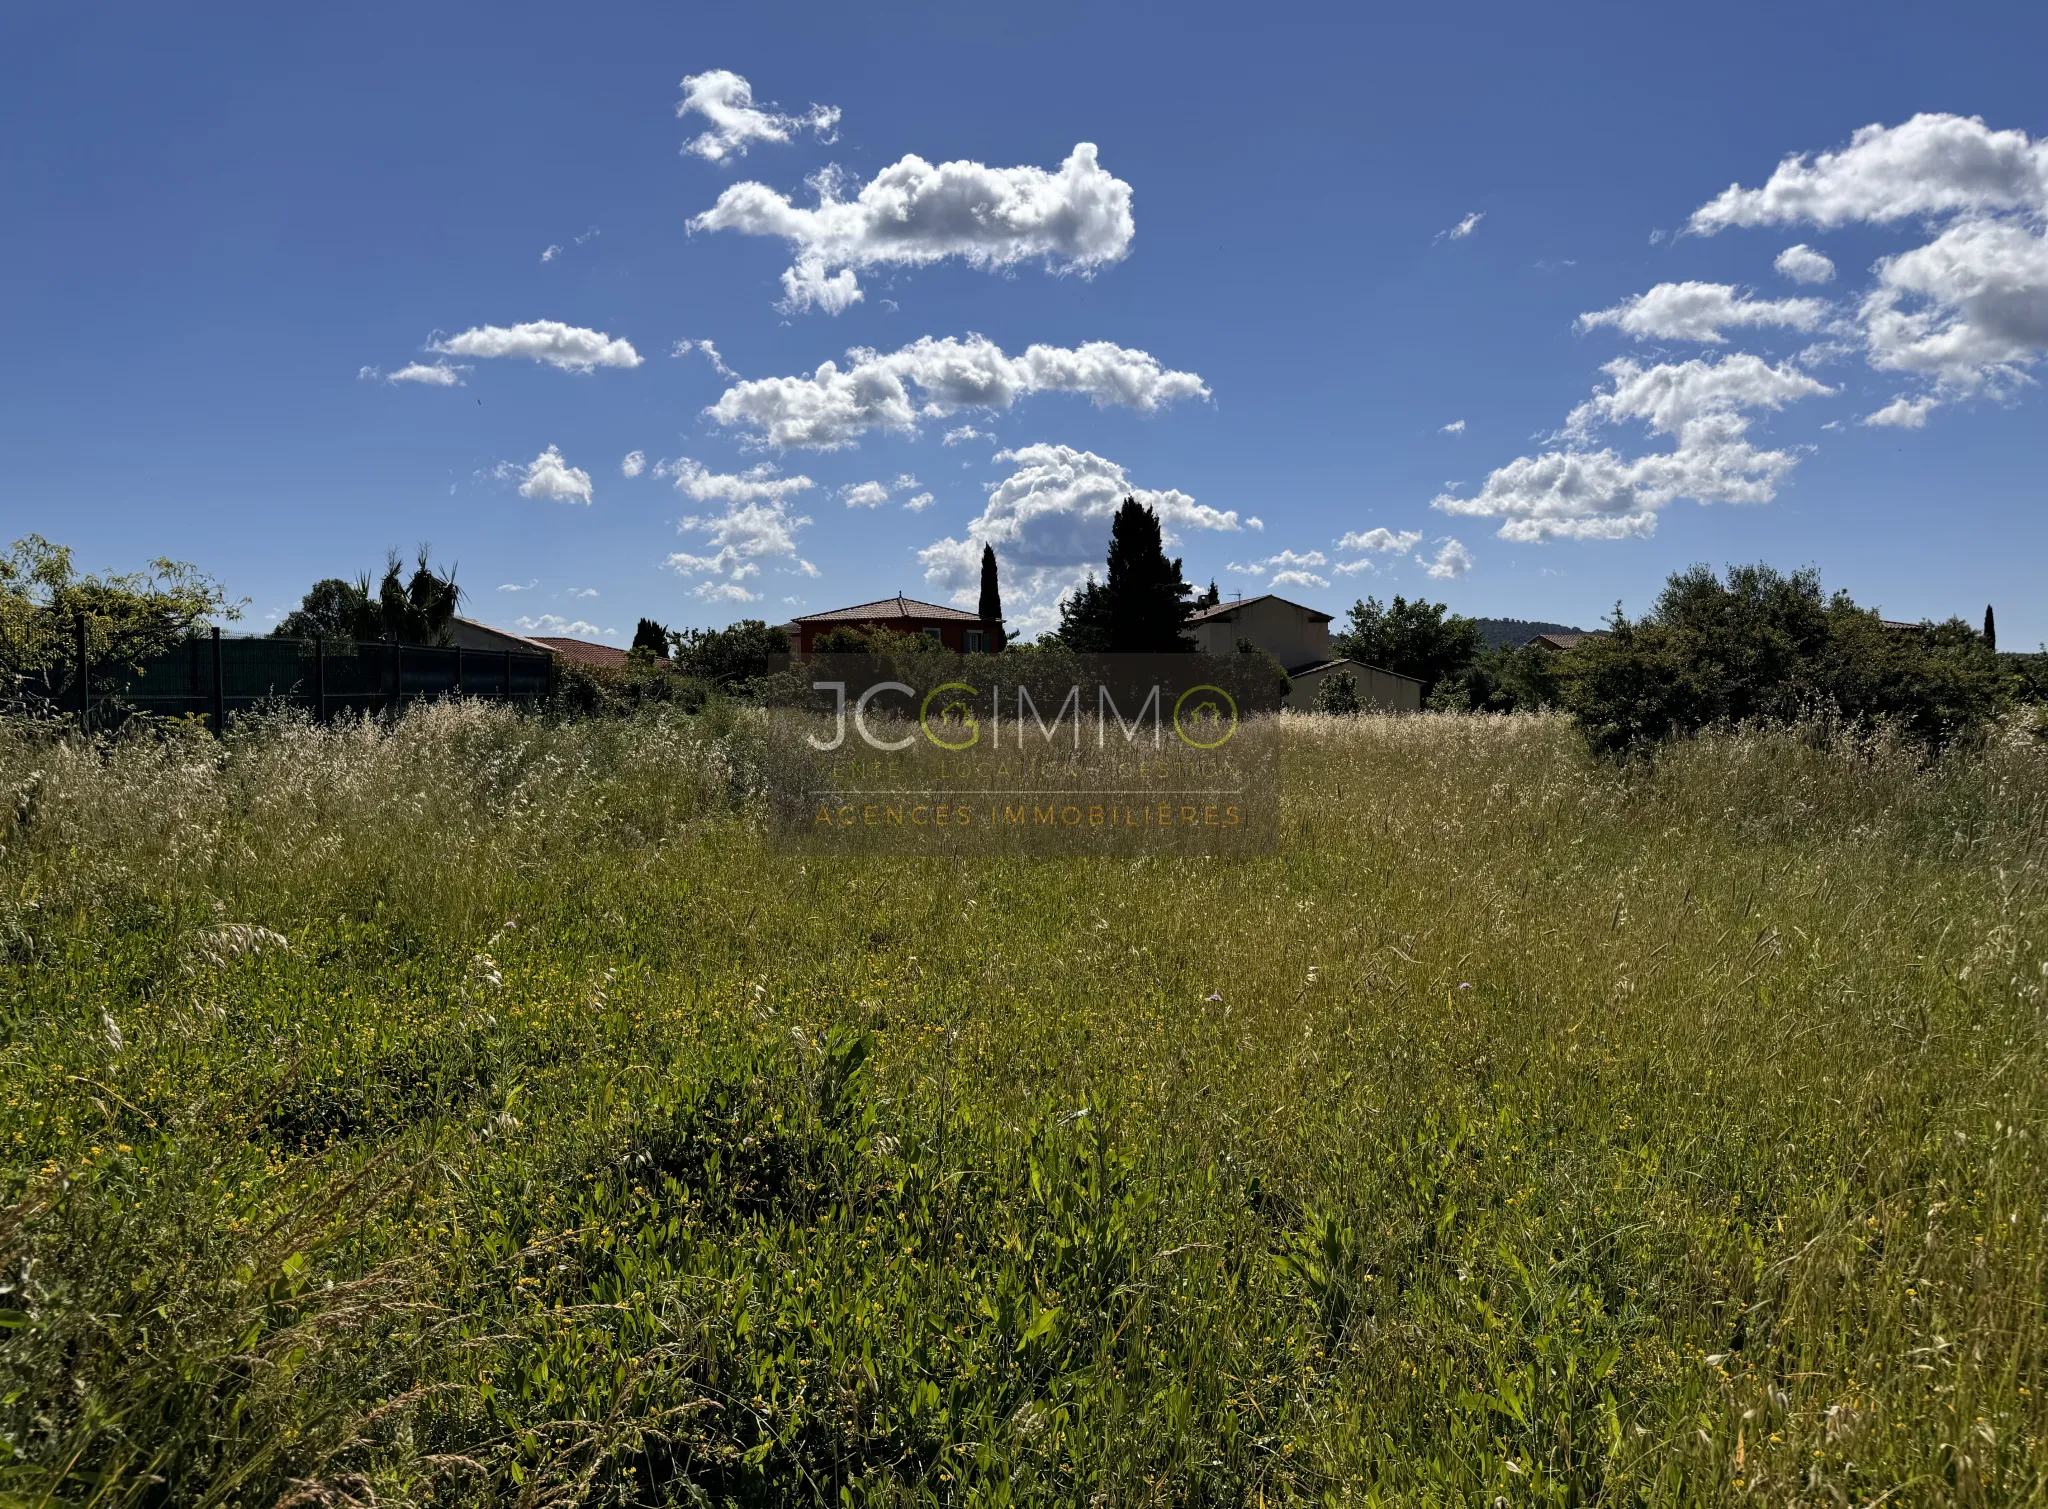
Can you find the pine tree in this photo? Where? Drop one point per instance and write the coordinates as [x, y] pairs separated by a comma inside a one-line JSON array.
[[651, 638], [1990, 629], [1148, 598], [991, 597], [1210, 598]]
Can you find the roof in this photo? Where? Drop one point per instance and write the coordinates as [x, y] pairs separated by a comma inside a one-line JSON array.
[[583, 651], [1566, 641], [1223, 610], [1899, 625], [898, 606], [1330, 665], [496, 633]]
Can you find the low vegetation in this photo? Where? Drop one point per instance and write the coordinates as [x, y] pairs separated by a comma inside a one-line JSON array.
[[474, 1111]]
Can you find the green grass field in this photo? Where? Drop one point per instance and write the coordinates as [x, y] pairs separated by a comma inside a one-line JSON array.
[[477, 1112]]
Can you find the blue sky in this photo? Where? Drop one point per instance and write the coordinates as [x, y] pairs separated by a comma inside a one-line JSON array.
[[1251, 301]]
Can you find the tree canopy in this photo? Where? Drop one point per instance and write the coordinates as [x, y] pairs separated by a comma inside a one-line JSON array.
[[415, 610], [991, 606], [1142, 606], [1420, 639]]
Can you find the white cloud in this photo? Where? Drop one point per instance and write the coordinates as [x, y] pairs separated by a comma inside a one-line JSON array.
[[833, 408], [1297, 579], [1049, 523], [752, 485], [551, 253], [548, 476], [918, 503], [634, 464], [1463, 228], [1453, 560], [1580, 493], [1700, 311], [1352, 568], [556, 626], [1802, 264], [1933, 165], [727, 101], [1379, 539], [583, 592], [1968, 310], [569, 347], [865, 495], [1904, 413], [710, 351], [1455, 427], [519, 586], [961, 435], [436, 375], [914, 213]]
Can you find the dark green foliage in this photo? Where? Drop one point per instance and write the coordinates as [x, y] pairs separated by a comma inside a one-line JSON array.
[[1210, 598], [1764, 646], [1337, 693], [1990, 629], [419, 609], [728, 657], [649, 639], [991, 608], [1420, 639], [1504, 678], [1142, 607], [1496, 632], [1275, 672]]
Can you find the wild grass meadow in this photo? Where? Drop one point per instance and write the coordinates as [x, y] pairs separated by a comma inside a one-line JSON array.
[[475, 1111]]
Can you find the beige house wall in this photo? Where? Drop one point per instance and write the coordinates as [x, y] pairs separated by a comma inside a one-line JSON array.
[[1381, 691], [1286, 631]]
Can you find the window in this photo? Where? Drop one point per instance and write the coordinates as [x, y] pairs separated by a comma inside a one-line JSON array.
[[974, 642], [933, 635]]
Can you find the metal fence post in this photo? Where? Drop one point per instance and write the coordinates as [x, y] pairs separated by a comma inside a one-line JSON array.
[[84, 662], [220, 698], [319, 678]]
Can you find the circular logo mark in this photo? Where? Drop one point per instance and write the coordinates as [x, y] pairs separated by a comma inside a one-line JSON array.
[[1203, 726], [955, 716]]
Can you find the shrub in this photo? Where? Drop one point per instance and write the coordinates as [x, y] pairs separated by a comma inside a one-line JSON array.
[[1337, 693]]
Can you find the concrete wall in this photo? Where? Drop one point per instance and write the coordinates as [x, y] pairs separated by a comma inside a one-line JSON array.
[[1286, 631], [1378, 690]]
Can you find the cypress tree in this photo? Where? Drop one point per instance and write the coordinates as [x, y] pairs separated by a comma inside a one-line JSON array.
[[1990, 629], [991, 597], [1147, 597]]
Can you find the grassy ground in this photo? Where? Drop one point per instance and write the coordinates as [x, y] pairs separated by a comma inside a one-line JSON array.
[[476, 1113]]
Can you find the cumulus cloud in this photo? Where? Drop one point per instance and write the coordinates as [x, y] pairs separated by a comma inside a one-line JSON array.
[[726, 100], [1968, 311], [710, 353], [1802, 264], [1581, 493], [1455, 427], [634, 464], [1453, 560], [1904, 413], [436, 375], [1700, 311], [1933, 165], [556, 626], [918, 503], [1049, 523], [865, 495], [832, 408], [913, 213], [569, 347], [753, 485], [1379, 539], [961, 435], [519, 586], [549, 476], [1287, 569]]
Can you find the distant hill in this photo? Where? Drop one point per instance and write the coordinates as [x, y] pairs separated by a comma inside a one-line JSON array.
[[1500, 631]]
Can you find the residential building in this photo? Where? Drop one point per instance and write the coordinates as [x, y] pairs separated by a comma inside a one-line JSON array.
[[954, 628], [1298, 637]]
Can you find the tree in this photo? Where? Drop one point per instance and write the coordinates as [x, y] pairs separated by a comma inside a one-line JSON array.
[[730, 656], [650, 640], [1420, 639], [1759, 645], [1210, 598], [129, 618], [991, 607], [415, 610], [1274, 672], [1142, 607], [1990, 629], [1337, 693], [1502, 679]]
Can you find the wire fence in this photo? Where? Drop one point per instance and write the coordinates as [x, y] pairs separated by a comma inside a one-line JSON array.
[[215, 677]]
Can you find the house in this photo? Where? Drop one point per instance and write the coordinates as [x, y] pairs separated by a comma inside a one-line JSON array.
[[468, 634], [965, 632], [583, 651], [1299, 638], [1381, 691], [1559, 643]]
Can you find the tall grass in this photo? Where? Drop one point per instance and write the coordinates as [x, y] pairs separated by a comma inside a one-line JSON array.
[[474, 1111]]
